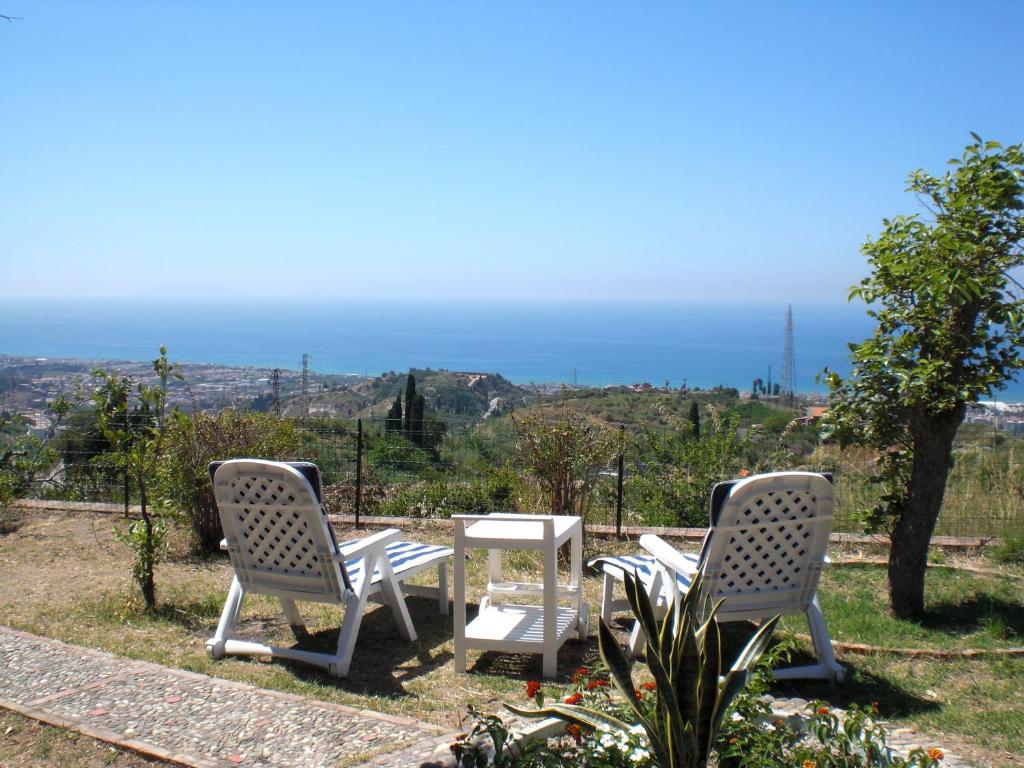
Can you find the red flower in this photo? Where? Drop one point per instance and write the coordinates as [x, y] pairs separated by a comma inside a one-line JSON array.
[[744, 473], [936, 754], [822, 710], [531, 689], [650, 686], [576, 698], [597, 684], [575, 731], [638, 693]]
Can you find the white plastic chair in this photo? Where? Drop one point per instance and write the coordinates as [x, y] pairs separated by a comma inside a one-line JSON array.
[[281, 545], [763, 555]]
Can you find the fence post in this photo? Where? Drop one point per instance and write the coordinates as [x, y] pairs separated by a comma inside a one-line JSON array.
[[127, 494], [618, 494], [359, 467]]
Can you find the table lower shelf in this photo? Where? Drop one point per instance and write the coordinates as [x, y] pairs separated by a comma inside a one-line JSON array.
[[517, 628]]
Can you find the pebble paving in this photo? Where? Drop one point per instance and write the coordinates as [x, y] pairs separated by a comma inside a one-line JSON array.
[[195, 719], [206, 722]]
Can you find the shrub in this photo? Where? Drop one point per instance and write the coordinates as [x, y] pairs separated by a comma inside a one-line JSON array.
[[194, 441], [1011, 549]]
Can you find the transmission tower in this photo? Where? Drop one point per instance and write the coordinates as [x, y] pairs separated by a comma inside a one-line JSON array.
[[275, 388], [305, 383], [789, 362]]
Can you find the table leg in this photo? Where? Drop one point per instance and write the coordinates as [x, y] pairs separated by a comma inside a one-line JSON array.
[[459, 598]]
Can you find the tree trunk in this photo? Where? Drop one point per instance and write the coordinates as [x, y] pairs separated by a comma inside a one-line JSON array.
[[932, 437], [147, 582]]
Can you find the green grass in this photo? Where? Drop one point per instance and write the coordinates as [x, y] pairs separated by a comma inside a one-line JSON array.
[[974, 703]]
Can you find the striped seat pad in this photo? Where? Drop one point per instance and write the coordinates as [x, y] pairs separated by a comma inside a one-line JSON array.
[[403, 556], [642, 565]]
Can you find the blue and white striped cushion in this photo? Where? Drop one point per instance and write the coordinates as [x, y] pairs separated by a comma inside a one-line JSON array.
[[403, 556], [642, 565]]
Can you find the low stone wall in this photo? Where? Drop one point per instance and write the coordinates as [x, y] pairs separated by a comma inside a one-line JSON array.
[[603, 531]]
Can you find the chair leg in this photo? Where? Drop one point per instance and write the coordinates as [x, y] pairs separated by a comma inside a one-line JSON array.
[[442, 587], [354, 608], [291, 612], [608, 598], [392, 593], [827, 668], [228, 618]]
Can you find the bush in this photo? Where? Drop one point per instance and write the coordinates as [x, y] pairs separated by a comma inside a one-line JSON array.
[[194, 441], [1011, 550], [443, 498]]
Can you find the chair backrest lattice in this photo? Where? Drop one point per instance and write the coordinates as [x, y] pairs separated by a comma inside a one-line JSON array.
[[767, 550], [277, 537]]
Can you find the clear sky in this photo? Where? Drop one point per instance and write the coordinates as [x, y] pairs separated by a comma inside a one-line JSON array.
[[649, 151]]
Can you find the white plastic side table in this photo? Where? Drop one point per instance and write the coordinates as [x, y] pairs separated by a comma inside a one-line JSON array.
[[503, 626]]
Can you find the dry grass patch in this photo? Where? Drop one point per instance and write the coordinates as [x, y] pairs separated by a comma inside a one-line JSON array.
[[29, 744]]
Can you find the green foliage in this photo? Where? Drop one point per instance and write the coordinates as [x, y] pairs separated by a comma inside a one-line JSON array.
[[25, 458], [393, 423], [694, 418], [565, 452], [442, 497], [131, 415], [673, 484], [410, 398], [694, 682], [950, 329], [1011, 548], [192, 442], [393, 453]]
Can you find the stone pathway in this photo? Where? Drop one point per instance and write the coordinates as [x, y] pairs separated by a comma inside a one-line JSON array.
[[194, 719], [207, 722]]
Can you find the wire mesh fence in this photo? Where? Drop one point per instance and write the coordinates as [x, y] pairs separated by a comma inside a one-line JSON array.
[[375, 467]]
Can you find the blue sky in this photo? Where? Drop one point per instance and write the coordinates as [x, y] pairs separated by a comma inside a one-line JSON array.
[[574, 150]]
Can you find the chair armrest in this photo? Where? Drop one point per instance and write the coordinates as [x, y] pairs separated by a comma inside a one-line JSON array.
[[665, 553], [348, 549]]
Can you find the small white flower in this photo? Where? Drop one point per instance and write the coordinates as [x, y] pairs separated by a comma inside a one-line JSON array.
[[639, 755], [637, 729], [736, 717], [607, 740]]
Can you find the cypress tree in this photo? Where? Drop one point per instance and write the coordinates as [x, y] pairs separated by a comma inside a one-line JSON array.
[[394, 420], [410, 398], [695, 419], [416, 420]]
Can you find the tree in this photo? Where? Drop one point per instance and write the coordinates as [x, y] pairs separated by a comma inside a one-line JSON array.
[[410, 398], [950, 325], [565, 452], [694, 419], [419, 405], [393, 423], [137, 436]]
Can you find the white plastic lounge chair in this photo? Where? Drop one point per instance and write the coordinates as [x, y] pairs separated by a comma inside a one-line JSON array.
[[763, 555], [281, 545]]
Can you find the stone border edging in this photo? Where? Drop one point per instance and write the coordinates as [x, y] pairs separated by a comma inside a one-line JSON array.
[[631, 531]]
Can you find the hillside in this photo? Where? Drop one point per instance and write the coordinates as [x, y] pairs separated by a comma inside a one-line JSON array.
[[456, 396]]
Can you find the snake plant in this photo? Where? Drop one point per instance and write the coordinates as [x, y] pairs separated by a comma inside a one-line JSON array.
[[694, 687]]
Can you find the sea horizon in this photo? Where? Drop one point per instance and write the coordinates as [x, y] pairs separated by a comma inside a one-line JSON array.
[[586, 342]]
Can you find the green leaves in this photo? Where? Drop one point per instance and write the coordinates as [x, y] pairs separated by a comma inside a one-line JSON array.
[[949, 329], [684, 654]]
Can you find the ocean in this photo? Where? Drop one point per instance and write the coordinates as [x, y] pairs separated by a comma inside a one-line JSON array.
[[589, 343]]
